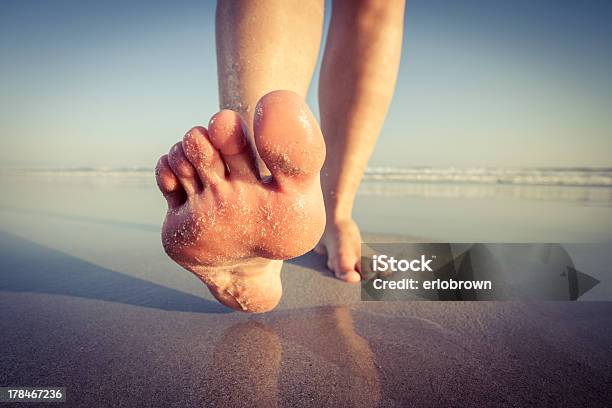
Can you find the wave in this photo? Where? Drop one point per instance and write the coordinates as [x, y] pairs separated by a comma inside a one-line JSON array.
[[583, 195], [549, 176], [584, 186], [559, 176]]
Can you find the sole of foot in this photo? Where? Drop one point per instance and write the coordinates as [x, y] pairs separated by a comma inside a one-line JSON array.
[[226, 224]]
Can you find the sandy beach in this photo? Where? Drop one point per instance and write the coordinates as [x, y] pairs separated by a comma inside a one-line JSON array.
[[90, 302], [450, 159]]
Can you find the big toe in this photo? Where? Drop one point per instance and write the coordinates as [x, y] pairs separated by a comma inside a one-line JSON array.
[[288, 137], [345, 268]]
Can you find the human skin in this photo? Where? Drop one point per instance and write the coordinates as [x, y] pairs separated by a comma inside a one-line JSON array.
[[358, 76], [230, 227], [357, 80], [264, 46], [245, 194]]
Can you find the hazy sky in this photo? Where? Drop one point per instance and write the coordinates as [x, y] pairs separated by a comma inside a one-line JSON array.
[[482, 83]]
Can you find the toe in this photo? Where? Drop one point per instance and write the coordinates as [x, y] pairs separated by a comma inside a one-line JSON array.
[[168, 183], [288, 137], [345, 268], [183, 170], [227, 134], [203, 156]]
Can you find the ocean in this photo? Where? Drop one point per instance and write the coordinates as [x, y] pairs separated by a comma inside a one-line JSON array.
[[435, 203]]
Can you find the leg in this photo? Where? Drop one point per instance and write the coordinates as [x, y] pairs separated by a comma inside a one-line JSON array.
[[263, 46], [358, 76], [225, 224]]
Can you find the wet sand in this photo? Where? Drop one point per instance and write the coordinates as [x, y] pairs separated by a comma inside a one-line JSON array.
[[90, 302]]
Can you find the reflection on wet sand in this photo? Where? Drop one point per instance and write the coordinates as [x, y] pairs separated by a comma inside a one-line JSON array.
[[244, 367], [253, 365]]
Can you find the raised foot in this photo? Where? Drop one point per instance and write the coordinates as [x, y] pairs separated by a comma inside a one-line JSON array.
[[224, 223]]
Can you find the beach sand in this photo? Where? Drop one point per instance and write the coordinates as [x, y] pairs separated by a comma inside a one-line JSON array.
[[89, 301]]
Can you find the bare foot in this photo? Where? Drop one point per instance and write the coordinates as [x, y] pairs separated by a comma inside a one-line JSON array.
[[228, 226], [341, 242]]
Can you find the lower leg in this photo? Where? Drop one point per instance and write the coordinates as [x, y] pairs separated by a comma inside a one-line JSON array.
[[357, 80], [263, 46], [225, 225]]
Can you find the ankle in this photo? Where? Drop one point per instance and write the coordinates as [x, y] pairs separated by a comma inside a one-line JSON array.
[[339, 221], [338, 212]]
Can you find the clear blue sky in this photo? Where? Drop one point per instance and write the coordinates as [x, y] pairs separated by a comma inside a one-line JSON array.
[[482, 83]]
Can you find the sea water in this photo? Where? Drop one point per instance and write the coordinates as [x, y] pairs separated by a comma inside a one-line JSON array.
[[448, 204]]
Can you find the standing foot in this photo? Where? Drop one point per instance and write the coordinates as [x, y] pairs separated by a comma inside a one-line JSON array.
[[341, 243]]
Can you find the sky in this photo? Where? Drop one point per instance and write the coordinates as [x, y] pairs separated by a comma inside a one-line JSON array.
[[481, 83]]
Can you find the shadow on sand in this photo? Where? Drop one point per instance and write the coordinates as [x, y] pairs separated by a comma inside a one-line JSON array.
[[314, 261], [29, 267]]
